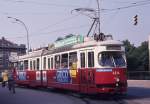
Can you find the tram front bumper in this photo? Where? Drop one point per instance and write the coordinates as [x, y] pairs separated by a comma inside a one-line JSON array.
[[112, 90]]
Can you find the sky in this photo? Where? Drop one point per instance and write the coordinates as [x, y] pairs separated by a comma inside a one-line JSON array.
[[46, 20]]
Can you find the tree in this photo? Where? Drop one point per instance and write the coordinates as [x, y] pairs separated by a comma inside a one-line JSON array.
[[137, 57], [129, 49], [143, 56]]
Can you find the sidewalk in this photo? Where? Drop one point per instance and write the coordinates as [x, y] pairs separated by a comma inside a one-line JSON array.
[[139, 83]]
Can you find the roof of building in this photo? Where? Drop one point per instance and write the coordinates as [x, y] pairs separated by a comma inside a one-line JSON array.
[[8, 44]]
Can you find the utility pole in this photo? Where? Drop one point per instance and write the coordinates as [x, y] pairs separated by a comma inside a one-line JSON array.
[[98, 7]]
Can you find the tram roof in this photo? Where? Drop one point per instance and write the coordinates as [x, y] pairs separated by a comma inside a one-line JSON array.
[[36, 53], [85, 44]]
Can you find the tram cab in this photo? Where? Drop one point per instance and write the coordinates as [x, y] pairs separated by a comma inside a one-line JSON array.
[[111, 67], [102, 66]]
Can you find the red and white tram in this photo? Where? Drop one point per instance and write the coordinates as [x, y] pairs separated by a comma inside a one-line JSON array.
[[76, 63]]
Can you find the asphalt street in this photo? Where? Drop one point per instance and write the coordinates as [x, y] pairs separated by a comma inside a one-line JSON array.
[[138, 93]]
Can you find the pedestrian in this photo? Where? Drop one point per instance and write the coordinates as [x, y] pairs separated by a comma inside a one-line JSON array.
[[11, 82], [4, 78]]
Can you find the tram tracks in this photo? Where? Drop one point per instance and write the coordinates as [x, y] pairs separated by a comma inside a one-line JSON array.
[[100, 99], [90, 99], [94, 99], [80, 97], [119, 101], [124, 100]]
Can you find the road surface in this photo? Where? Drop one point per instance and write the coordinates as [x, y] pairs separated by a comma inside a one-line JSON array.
[[138, 93]]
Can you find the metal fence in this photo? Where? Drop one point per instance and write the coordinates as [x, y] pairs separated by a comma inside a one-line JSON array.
[[139, 75]]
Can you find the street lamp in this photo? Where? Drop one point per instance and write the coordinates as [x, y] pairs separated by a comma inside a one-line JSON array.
[[27, 32]]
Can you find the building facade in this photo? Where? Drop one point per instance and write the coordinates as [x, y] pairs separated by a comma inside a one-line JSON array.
[[7, 49]]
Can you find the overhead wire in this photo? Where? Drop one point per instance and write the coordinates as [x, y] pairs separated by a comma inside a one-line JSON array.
[[135, 4], [128, 2], [73, 27], [142, 1], [57, 30], [59, 22], [36, 3], [42, 3]]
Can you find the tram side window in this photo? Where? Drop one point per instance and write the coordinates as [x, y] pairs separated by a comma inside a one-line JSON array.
[[25, 64], [15, 65], [30, 65], [52, 63], [82, 59], [44, 63], [48, 63], [73, 59], [38, 64], [90, 59], [34, 64], [64, 61], [57, 61], [21, 65]]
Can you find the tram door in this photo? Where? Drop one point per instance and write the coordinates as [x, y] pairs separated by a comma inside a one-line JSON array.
[[86, 71]]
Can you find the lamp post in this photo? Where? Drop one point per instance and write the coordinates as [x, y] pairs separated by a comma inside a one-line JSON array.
[[27, 32]]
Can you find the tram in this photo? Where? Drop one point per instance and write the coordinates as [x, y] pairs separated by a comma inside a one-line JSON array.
[[76, 63]]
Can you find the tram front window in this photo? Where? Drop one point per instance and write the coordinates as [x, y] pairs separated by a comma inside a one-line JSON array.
[[118, 60], [111, 59]]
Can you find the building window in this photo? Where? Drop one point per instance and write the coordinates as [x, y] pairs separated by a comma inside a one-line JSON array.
[[90, 59]]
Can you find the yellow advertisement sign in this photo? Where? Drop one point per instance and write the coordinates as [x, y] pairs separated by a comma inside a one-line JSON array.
[[73, 73]]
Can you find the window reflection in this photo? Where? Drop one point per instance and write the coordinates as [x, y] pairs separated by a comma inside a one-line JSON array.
[[111, 59]]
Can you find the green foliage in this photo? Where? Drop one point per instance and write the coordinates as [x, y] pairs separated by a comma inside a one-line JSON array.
[[137, 57]]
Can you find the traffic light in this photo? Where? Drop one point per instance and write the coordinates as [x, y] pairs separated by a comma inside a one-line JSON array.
[[135, 19]]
